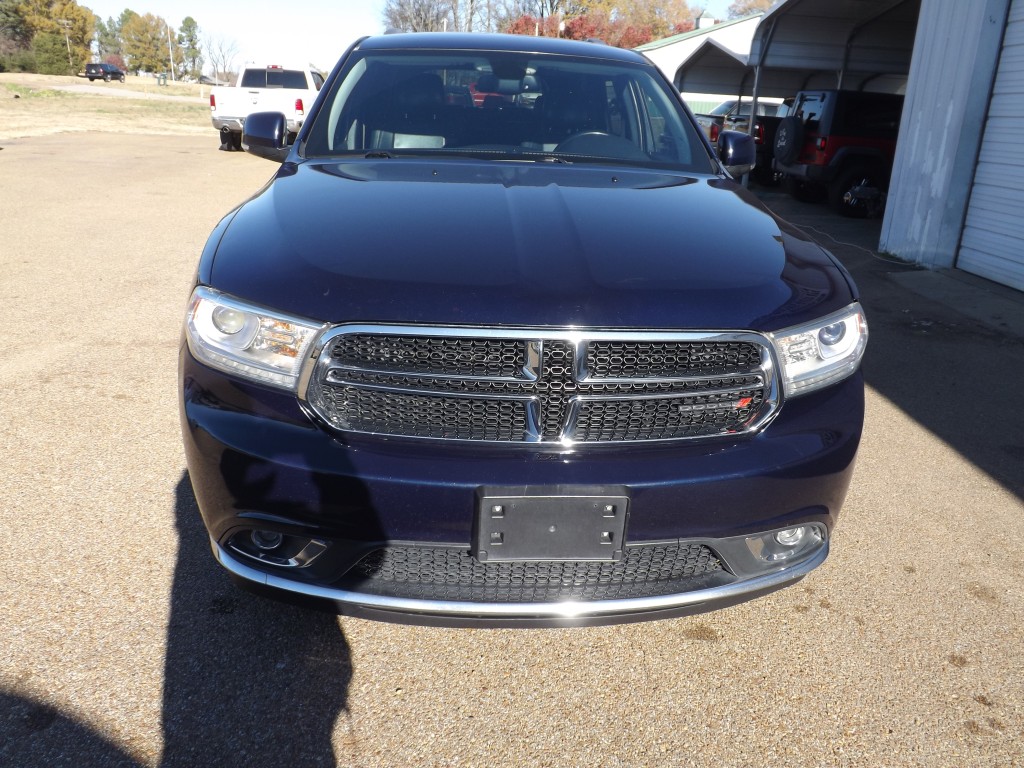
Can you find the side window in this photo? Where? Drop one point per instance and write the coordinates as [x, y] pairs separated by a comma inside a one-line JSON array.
[[657, 120], [869, 115], [616, 120], [318, 81], [666, 142]]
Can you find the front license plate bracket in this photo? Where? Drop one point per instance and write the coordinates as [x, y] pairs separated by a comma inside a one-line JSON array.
[[550, 525]]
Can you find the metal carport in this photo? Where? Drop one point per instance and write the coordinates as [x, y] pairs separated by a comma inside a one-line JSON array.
[[799, 44]]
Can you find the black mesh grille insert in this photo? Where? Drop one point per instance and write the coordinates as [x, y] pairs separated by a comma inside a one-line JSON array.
[[530, 390], [435, 573], [415, 415], [669, 359], [615, 420], [438, 356]]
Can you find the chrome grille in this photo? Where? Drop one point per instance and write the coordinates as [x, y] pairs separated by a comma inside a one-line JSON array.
[[540, 387]]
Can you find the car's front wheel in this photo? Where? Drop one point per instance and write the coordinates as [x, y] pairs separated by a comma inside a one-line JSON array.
[[122, 78]]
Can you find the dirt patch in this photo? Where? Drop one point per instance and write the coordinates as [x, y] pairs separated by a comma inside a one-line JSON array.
[[41, 105]]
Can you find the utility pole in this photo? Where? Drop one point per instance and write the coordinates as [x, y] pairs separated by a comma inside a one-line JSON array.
[[66, 25], [170, 52]]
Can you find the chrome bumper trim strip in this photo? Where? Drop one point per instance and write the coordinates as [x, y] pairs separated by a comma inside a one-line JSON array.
[[567, 610]]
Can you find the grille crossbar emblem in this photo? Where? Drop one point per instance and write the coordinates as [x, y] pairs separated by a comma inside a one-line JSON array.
[[540, 387]]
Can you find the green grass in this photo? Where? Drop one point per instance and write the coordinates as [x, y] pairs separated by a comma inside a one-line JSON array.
[[33, 93]]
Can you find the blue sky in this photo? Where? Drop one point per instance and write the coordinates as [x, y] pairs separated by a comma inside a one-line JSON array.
[[313, 32]]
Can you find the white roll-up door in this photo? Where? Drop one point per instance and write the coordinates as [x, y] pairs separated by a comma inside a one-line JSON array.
[[992, 244]]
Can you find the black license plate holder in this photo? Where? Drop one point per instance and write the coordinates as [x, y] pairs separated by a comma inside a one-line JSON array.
[[550, 525]]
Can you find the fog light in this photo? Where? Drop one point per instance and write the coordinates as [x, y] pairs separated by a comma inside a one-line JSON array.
[[787, 544], [791, 537], [266, 540], [281, 550]]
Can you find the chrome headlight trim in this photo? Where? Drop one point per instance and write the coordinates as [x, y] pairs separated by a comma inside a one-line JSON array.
[[255, 343], [818, 354]]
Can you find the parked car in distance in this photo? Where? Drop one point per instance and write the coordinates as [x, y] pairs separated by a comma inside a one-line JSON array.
[[103, 71], [528, 361], [734, 115], [841, 144], [290, 91]]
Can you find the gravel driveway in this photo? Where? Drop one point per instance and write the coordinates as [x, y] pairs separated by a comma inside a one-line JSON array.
[[123, 643]]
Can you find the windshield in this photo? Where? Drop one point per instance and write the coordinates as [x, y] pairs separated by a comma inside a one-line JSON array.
[[504, 106]]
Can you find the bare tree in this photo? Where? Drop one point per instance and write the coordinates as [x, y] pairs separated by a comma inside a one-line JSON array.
[[417, 15], [221, 53], [741, 8]]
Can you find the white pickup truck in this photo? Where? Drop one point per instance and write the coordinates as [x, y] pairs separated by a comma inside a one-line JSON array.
[[270, 88]]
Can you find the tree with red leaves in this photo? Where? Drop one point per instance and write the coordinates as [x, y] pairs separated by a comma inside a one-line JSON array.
[[625, 25]]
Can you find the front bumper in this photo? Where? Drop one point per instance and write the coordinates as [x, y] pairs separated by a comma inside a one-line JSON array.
[[257, 463], [564, 613]]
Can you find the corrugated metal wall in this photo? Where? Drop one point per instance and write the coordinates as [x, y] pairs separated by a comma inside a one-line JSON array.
[[992, 244], [956, 51]]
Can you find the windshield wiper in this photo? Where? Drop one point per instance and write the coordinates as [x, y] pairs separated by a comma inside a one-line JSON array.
[[378, 154], [553, 159]]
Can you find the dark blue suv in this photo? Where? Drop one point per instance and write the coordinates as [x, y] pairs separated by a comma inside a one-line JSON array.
[[527, 359]]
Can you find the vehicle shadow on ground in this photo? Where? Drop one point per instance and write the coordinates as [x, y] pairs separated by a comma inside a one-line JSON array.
[[248, 681], [953, 375]]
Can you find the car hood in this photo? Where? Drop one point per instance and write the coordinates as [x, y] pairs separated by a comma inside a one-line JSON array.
[[519, 244]]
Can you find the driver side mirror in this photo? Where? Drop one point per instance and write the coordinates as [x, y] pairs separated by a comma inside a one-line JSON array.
[[265, 134], [737, 152]]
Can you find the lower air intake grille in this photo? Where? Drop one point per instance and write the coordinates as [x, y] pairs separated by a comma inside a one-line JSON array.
[[436, 573]]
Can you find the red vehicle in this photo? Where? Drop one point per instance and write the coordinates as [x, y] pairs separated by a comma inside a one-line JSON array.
[[841, 143], [487, 91]]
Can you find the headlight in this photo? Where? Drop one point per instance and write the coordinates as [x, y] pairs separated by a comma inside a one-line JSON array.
[[248, 341], [823, 352]]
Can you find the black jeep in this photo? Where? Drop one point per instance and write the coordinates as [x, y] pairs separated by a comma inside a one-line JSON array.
[[841, 143]]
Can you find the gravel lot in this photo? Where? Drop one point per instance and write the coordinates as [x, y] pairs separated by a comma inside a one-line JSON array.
[[123, 643]]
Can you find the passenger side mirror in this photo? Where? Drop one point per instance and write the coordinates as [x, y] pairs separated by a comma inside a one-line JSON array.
[[265, 134], [737, 152]]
